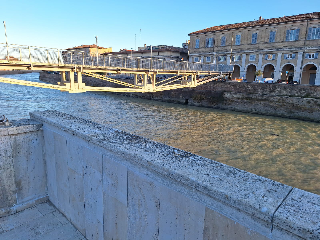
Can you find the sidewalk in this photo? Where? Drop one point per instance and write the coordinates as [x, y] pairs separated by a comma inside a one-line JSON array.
[[42, 221]]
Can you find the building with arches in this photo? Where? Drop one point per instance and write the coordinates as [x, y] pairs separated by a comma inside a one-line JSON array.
[[281, 48]]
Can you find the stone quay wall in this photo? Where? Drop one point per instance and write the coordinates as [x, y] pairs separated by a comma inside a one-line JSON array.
[[281, 100], [115, 185]]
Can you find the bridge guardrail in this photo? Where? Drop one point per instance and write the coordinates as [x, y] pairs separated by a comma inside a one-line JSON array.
[[33, 54]]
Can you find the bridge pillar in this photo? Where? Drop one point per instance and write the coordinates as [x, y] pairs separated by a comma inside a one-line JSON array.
[[193, 80], [135, 79], [153, 81], [145, 80], [79, 80], [71, 78], [63, 79], [185, 80]]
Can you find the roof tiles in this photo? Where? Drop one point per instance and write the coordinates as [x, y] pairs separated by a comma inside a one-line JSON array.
[[261, 22]]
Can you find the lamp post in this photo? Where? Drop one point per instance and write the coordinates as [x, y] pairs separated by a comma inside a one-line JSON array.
[[5, 33], [97, 49]]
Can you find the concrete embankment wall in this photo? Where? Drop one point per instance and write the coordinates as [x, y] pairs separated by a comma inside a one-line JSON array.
[[22, 166], [290, 101], [115, 185]]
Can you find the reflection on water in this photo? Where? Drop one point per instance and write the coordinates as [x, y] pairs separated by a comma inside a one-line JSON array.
[[285, 150]]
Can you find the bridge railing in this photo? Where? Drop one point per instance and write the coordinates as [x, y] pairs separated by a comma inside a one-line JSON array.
[[33, 54]]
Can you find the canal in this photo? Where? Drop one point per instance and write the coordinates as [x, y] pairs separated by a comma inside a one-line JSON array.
[[284, 150]]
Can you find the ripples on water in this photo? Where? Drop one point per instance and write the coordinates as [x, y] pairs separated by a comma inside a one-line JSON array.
[[285, 150]]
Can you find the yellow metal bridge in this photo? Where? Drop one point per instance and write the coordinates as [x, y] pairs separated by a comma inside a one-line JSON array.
[[146, 74]]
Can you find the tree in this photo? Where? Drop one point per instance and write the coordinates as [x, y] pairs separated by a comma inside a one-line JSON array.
[[258, 74]]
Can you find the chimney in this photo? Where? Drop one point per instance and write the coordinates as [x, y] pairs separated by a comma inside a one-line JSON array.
[[260, 18]]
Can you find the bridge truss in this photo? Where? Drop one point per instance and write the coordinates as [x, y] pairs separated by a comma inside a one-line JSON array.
[[147, 75]]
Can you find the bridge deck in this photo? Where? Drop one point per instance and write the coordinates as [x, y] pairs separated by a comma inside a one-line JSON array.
[[145, 70]]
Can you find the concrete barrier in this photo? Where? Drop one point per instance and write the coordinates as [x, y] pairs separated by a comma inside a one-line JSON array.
[[22, 166], [115, 185]]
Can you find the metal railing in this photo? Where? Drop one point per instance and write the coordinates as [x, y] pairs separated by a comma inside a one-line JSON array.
[[33, 55]]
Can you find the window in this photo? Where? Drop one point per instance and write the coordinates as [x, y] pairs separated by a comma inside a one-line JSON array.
[[223, 40], [270, 57], [292, 34], [311, 55], [252, 57], [254, 38], [289, 56], [209, 42], [196, 59], [197, 43], [222, 58], [272, 36], [313, 33], [238, 39], [208, 59], [236, 58]]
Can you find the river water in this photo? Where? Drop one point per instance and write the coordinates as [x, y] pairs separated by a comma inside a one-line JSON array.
[[284, 150]]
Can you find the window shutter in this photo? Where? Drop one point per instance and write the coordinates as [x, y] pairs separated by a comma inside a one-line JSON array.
[[285, 56], [272, 36], [273, 56], [254, 38], [266, 57], [309, 33], [297, 34], [223, 41], [315, 55], [318, 33], [306, 55], [287, 35], [293, 56]]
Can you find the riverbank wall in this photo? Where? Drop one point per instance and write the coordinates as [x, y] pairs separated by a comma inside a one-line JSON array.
[[115, 185], [281, 100], [11, 72]]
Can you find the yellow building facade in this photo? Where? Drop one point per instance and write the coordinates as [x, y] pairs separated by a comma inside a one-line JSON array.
[[281, 48]]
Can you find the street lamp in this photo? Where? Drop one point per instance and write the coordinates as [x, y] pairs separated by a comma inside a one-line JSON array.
[[5, 33], [97, 49]]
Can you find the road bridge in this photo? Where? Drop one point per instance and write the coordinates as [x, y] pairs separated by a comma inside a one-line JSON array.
[[146, 74]]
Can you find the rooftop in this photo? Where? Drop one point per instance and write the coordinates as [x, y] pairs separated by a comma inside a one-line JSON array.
[[260, 22], [86, 46]]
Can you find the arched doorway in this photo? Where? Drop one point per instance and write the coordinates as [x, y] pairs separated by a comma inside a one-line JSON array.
[[236, 72], [251, 71], [268, 71], [309, 74], [287, 72]]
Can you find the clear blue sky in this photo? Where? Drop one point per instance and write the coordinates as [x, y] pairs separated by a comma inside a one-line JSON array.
[[69, 23]]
